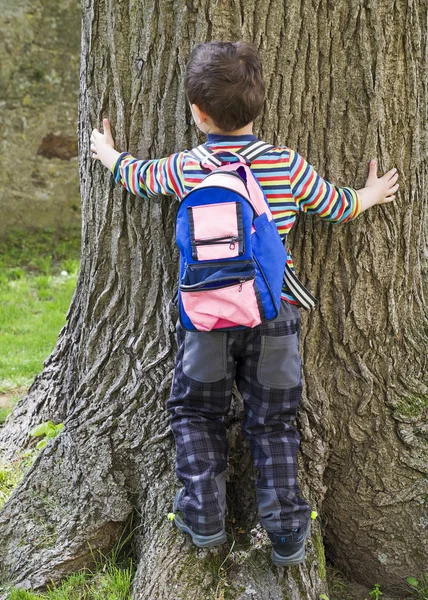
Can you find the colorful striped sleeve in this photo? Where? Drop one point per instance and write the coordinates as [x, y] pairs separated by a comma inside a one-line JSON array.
[[315, 195], [148, 178]]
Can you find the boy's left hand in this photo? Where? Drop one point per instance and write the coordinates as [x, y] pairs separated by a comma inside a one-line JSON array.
[[383, 187], [378, 190], [98, 140]]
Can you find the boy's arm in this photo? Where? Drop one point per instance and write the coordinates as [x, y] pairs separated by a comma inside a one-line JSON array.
[[145, 178], [315, 195]]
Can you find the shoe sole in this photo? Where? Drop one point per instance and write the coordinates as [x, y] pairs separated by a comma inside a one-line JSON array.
[[294, 559], [201, 541]]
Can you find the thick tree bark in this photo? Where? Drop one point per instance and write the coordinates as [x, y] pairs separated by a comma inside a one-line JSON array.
[[343, 83], [372, 326]]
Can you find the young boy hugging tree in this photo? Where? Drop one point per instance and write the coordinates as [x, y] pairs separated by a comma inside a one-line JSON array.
[[225, 90]]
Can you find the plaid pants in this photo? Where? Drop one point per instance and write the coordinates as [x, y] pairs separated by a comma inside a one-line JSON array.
[[266, 365]]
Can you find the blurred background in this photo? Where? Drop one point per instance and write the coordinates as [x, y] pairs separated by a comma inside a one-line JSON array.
[[39, 187]]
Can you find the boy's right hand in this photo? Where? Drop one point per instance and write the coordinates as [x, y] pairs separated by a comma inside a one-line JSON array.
[[378, 190], [98, 138], [102, 146]]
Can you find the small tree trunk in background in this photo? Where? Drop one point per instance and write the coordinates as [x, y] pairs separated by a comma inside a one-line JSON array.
[[344, 83]]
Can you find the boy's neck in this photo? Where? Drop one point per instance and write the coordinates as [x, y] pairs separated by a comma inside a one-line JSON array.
[[248, 129]]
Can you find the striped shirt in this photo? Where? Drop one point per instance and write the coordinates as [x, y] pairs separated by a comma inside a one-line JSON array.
[[290, 184]]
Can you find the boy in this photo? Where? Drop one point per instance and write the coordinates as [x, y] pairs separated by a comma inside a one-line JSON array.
[[225, 90]]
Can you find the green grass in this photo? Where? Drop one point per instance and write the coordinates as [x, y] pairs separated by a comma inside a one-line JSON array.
[[418, 586], [38, 274], [337, 584], [39, 251], [110, 580], [112, 584], [12, 473]]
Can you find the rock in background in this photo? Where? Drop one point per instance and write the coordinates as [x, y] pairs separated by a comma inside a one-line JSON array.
[[39, 88]]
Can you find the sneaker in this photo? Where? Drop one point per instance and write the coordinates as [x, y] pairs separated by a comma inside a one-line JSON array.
[[288, 547], [201, 541]]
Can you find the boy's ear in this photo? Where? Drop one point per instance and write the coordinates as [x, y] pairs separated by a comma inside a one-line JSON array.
[[199, 114]]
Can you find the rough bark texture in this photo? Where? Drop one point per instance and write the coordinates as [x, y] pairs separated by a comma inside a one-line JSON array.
[[371, 326], [343, 83]]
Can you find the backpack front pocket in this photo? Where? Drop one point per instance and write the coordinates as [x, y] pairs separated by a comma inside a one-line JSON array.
[[220, 296], [216, 231]]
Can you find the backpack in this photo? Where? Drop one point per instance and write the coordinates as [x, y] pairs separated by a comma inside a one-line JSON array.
[[232, 258]]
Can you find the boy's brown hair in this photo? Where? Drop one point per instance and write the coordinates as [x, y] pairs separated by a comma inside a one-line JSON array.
[[225, 80]]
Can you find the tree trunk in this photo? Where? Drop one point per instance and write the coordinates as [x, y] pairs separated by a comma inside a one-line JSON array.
[[366, 348], [343, 83]]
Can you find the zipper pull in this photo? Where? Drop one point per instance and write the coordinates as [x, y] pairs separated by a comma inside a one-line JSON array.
[[232, 243], [241, 281]]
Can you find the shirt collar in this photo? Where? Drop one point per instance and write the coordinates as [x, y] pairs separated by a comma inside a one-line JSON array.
[[217, 137]]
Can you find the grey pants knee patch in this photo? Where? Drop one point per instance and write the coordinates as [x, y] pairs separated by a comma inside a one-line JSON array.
[[279, 365], [205, 357]]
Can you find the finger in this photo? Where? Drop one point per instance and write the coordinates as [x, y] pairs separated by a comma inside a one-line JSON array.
[[390, 173], [373, 168], [393, 179], [95, 135], [388, 199], [95, 156], [107, 131], [391, 190]]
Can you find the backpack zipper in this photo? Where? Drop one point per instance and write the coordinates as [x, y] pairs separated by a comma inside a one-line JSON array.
[[237, 281], [216, 263], [220, 240]]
